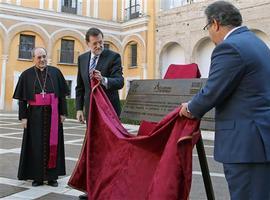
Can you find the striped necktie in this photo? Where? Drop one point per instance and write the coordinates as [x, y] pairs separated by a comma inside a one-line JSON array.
[[92, 66]]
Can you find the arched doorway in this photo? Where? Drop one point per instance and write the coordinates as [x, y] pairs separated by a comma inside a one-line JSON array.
[[172, 53], [202, 52]]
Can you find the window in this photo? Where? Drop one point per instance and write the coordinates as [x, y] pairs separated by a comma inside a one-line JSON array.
[[69, 6], [133, 53], [27, 43], [106, 46], [169, 4], [133, 11], [67, 51]]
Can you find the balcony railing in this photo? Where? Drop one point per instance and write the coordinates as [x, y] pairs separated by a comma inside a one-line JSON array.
[[132, 12], [68, 9], [166, 5], [67, 57]]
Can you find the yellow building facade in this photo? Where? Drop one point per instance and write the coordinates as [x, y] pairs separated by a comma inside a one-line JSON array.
[[60, 27]]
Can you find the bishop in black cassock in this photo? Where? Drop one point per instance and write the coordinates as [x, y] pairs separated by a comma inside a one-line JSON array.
[[41, 91]]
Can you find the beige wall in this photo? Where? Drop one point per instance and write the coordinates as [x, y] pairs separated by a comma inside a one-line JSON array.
[[84, 8], [151, 37], [119, 10], [46, 4], [29, 3], [105, 9], [50, 29]]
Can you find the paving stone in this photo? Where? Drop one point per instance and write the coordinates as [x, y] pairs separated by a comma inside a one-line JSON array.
[[9, 143], [9, 129], [9, 163], [70, 165], [54, 196], [73, 150], [6, 190]]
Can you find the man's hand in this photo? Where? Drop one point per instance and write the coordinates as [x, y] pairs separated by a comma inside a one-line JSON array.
[[62, 118], [80, 116], [97, 75], [24, 123], [184, 111]]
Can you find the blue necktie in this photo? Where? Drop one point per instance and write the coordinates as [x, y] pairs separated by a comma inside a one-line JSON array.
[[92, 65]]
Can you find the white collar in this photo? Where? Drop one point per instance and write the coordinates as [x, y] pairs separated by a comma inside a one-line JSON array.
[[93, 55], [230, 32]]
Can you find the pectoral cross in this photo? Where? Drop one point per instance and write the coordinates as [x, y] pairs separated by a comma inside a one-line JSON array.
[[43, 93]]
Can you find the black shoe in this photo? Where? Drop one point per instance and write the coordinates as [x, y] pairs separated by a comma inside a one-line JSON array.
[[83, 196], [53, 183], [37, 183]]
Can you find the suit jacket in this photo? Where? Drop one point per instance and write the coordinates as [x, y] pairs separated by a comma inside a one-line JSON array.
[[238, 87], [109, 64]]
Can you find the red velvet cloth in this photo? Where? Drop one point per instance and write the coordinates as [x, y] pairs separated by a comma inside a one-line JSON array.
[[146, 127], [182, 71], [173, 72], [114, 165]]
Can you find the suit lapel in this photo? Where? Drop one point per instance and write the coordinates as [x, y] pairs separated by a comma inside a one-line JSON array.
[[101, 60], [85, 65]]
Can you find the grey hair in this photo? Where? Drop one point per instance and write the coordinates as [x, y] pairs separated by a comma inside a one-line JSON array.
[[225, 13], [34, 49]]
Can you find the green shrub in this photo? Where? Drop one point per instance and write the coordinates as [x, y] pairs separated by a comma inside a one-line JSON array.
[[71, 106], [72, 112]]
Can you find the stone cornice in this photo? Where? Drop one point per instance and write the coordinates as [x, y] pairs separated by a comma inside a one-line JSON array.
[[80, 22]]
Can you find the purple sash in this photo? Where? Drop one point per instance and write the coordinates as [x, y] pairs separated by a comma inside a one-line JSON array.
[[52, 100]]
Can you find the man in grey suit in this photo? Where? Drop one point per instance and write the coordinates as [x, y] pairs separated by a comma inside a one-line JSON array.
[[238, 87], [105, 66]]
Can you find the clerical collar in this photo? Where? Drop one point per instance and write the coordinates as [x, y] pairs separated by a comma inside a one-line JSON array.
[[44, 69]]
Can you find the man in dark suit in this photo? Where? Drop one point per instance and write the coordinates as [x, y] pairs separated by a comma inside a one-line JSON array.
[[105, 66], [102, 64], [238, 87]]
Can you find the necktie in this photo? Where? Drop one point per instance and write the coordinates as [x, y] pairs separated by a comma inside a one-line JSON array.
[[92, 65]]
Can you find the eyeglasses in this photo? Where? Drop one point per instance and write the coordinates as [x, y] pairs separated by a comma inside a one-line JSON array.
[[43, 56], [206, 27]]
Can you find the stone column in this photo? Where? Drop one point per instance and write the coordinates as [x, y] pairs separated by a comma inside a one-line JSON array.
[[41, 4], [144, 67], [96, 8], [50, 4], [114, 10], [88, 7], [4, 59]]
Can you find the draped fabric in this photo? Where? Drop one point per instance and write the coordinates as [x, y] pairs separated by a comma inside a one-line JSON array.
[[114, 165], [183, 71]]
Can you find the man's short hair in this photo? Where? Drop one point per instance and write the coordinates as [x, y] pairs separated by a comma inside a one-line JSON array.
[[225, 13], [34, 49], [92, 32]]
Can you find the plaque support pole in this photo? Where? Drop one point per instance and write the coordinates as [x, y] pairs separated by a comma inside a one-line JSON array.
[[205, 170]]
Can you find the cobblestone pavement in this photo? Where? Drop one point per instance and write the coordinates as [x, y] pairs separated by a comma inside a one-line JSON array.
[[13, 189]]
